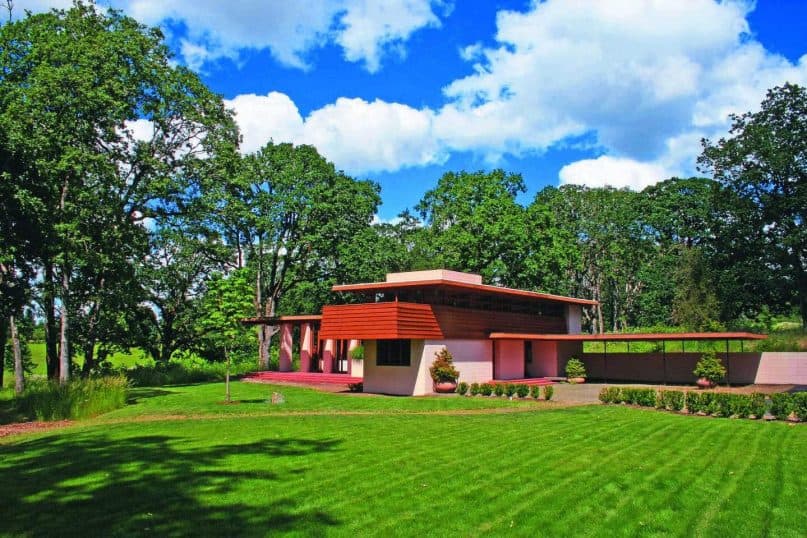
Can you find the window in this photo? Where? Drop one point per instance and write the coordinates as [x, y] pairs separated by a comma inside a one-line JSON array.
[[393, 353]]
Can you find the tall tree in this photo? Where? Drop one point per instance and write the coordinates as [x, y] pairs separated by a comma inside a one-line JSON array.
[[764, 162], [111, 132], [475, 223], [286, 213]]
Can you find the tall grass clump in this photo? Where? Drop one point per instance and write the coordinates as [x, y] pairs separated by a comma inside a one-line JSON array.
[[77, 399], [181, 372]]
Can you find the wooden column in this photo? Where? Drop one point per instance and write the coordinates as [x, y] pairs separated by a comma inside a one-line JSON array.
[[306, 347], [285, 347]]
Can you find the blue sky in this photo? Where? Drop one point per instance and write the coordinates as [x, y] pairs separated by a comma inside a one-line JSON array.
[[401, 91]]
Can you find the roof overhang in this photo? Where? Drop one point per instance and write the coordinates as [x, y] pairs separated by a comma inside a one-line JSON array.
[[277, 320], [453, 285], [628, 337]]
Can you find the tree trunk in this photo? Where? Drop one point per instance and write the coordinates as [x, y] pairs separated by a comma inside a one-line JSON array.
[[227, 376], [3, 340], [51, 338], [89, 358], [19, 376], [64, 345]]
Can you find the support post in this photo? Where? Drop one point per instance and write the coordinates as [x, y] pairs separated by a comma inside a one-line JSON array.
[[285, 347], [664, 360], [327, 356], [306, 347], [352, 344], [728, 365]]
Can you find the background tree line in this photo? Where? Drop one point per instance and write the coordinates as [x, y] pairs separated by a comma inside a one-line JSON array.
[[124, 196]]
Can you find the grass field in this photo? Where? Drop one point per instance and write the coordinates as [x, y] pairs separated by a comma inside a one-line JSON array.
[[178, 462], [118, 359]]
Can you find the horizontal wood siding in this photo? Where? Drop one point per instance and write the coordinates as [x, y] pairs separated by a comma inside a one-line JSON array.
[[372, 321], [466, 323]]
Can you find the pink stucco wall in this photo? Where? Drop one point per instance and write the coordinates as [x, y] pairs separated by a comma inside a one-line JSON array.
[[328, 349], [285, 347], [472, 358], [509, 359], [306, 347], [782, 368]]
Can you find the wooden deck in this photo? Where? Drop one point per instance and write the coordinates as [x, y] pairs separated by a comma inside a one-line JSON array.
[[302, 378]]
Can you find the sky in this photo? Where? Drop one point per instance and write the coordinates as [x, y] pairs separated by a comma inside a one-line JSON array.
[[589, 92]]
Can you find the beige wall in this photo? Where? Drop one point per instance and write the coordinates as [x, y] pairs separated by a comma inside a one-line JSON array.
[[403, 380], [472, 359]]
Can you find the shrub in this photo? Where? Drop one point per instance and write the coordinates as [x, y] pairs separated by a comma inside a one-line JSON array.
[[475, 388], [800, 405], [486, 389], [549, 390], [694, 402], [757, 404], [356, 387], [177, 372], [535, 391], [522, 391], [575, 368], [710, 367], [357, 353], [498, 389], [782, 404], [462, 388], [639, 396], [672, 400], [611, 395], [442, 369], [80, 398], [509, 390]]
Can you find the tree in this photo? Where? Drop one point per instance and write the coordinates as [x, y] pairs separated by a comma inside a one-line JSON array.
[[228, 301], [475, 223], [286, 213], [764, 162], [100, 130]]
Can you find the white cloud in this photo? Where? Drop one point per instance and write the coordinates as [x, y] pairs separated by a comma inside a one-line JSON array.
[[359, 136], [644, 79], [613, 172], [365, 29], [369, 27]]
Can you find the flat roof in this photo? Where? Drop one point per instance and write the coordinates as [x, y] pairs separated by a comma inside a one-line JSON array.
[[608, 337], [459, 286], [273, 320]]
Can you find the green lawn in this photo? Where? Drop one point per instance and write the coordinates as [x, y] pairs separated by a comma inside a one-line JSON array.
[[394, 468]]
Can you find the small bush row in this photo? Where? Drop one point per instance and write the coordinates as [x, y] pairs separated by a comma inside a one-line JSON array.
[[179, 373], [77, 399], [505, 389], [719, 404]]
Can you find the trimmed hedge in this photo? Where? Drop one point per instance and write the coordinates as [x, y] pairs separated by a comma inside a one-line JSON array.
[[718, 404]]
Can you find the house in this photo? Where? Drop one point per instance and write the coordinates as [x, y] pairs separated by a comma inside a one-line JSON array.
[[405, 320], [494, 333]]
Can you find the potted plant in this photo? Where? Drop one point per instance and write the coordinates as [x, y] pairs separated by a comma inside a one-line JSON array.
[[709, 370], [443, 372], [357, 353], [575, 371]]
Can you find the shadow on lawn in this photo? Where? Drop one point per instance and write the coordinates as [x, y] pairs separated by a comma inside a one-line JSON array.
[[87, 483]]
